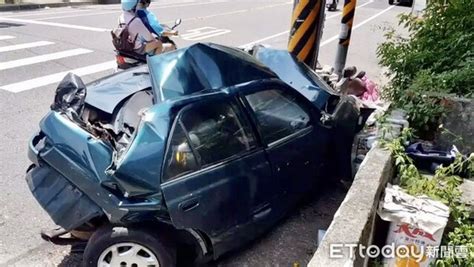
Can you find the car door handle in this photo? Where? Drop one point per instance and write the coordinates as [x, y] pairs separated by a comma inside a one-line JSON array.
[[189, 204]]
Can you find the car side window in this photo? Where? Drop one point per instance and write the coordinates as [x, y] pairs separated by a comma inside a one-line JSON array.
[[212, 132], [180, 158], [278, 113], [217, 131]]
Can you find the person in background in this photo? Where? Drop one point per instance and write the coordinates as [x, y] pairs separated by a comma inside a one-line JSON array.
[[144, 28]]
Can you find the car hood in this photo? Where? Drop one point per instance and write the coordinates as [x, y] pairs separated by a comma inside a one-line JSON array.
[[106, 93]]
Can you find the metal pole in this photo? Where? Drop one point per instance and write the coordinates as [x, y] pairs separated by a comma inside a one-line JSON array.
[[306, 30], [345, 36]]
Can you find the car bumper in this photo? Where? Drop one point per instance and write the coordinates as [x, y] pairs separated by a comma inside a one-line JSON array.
[[68, 206]]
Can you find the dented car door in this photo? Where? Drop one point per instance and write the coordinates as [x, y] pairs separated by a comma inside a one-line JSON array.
[[215, 175], [285, 124]]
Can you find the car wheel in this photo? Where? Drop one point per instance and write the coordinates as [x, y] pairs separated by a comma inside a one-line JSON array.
[[130, 247], [390, 2]]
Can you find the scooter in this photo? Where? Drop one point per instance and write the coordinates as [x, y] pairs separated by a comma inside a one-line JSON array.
[[127, 60], [332, 5]]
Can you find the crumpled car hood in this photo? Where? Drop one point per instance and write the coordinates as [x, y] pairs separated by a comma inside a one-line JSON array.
[[106, 93]]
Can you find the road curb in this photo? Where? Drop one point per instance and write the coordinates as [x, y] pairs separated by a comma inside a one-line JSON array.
[[30, 6], [354, 222]]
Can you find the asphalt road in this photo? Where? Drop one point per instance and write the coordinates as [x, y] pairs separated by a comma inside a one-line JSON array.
[[38, 47]]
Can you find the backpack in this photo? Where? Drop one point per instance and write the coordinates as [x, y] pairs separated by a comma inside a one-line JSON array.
[[121, 38]]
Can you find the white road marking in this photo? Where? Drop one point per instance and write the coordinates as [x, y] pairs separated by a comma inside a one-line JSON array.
[[40, 13], [54, 78], [225, 13], [116, 11], [203, 33], [185, 5], [286, 32], [80, 15], [42, 58], [119, 11], [359, 6], [335, 37], [264, 39], [6, 37], [274, 5], [71, 26], [24, 46]]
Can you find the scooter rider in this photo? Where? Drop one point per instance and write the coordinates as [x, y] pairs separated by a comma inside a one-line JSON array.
[[144, 28]]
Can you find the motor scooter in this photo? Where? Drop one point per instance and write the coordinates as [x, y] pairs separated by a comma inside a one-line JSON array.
[[127, 60], [332, 5]]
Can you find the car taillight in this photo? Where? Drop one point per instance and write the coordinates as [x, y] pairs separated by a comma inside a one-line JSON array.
[[120, 60]]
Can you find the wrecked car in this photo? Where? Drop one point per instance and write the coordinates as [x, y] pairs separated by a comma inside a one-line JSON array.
[[202, 149]]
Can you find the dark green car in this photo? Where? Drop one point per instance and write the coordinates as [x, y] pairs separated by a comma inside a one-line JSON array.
[[203, 149]]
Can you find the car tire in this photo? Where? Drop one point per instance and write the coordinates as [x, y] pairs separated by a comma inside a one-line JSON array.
[[390, 2], [107, 239]]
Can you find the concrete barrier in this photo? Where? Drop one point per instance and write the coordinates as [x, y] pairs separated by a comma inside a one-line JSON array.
[[353, 222]]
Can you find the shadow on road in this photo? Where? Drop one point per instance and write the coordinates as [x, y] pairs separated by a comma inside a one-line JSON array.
[[4, 25], [293, 240]]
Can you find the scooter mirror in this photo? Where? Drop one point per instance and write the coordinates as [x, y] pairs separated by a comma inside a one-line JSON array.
[[177, 22]]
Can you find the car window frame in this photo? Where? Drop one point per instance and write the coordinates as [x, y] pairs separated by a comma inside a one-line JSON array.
[[307, 107], [176, 123], [203, 168]]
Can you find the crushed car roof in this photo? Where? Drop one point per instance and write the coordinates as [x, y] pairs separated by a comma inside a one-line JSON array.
[[203, 67]]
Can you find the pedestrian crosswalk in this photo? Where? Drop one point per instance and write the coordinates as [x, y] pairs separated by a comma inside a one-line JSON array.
[[32, 64], [56, 77], [6, 37], [24, 46], [43, 58]]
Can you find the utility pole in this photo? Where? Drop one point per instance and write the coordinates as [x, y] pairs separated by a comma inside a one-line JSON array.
[[306, 30], [345, 36]]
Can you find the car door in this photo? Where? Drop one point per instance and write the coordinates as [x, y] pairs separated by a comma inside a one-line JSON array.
[[286, 125], [216, 178]]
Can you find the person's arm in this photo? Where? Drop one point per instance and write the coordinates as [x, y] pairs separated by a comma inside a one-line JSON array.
[[150, 21], [153, 24], [169, 33]]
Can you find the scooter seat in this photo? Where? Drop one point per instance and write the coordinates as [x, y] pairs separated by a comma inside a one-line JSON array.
[[132, 55]]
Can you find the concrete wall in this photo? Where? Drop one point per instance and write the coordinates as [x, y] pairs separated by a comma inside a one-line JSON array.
[[458, 125], [353, 222]]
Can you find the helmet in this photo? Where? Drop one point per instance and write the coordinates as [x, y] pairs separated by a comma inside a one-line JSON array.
[[129, 5]]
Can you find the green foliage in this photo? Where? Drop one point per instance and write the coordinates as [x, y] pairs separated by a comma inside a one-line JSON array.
[[443, 186], [434, 59]]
